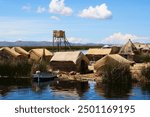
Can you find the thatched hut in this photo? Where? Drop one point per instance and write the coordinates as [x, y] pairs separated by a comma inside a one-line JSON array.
[[111, 59], [115, 49], [145, 50], [21, 51], [70, 61], [8, 54], [95, 54], [40, 53], [129, 50], [139, 45]]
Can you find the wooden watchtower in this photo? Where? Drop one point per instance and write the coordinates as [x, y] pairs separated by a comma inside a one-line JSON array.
[[59, 40]]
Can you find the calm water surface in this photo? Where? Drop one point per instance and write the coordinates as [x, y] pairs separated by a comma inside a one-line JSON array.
[[74, 90]]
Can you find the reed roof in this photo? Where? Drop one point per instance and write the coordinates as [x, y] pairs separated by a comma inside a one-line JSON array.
[[41, 51], [110, 59], [128, 49], [69, 56], [99, 51], [10, 51], [146, 47], [20, 50]]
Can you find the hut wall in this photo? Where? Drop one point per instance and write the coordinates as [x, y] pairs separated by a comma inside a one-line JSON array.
[[83, 67], [63, 66], [69, 66], [115, 50], [94, 57], [145, 52], [128, 57]]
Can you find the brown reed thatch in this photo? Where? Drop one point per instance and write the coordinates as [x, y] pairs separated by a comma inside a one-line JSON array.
[[39, 53], [21, 51], [69, 61], [111, 59], [146, 47], [140, 46], [128, 49], [7, 53], [95, 54]]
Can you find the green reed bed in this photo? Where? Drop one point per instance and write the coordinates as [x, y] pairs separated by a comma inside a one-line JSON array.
[[142, 58], [146, 73], [116, 73], [15, 68], [84, 47], [41, 66]]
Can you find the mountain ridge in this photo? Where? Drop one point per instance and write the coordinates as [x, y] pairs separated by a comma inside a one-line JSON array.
[[41, 43]]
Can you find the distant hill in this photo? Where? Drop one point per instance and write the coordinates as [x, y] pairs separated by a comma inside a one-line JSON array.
[[41, 43]]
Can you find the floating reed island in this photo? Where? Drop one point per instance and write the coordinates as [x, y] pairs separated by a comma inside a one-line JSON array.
[[112, 64]]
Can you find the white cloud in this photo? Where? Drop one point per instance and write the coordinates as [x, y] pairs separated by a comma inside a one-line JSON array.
[[41, 9], [78, 40], [26, 7], [99, 12], [74, 40], [119, 38], [58, 6], [55, 18]]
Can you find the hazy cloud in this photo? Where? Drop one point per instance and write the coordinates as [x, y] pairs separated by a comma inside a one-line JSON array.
[[119, 38], [41, 9], [26, 7], [55, 18]]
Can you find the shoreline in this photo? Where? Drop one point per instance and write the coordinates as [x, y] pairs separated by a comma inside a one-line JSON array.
[[75, 77]]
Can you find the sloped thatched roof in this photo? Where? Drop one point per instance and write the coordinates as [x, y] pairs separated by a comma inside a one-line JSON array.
[[110, 59], [40, 51], [128, 49], [142, 46], [10, 51], [99, 51], [139, 45], [69, 56], [146, 47], [20, 51]]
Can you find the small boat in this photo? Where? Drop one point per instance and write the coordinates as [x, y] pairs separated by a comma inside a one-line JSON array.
[[43, 76]]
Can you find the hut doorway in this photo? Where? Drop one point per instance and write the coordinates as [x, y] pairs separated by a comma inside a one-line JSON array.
[[83, 67]]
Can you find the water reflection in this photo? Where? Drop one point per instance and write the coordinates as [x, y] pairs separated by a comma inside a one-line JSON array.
[[145, 89], [66, 90], [113, 91], [4, 90], [39, 87], [12, 84], [69, 88]]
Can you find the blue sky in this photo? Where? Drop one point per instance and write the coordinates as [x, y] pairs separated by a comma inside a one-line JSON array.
[[85, 21]]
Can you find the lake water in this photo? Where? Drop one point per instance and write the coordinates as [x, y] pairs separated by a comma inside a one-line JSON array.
[[74, 90]]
